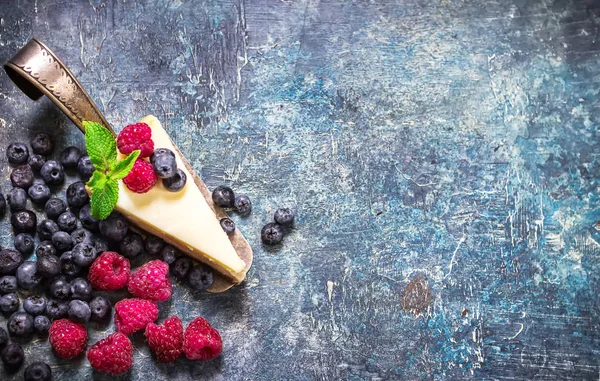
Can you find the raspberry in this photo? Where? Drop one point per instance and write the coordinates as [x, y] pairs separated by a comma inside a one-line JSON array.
[[109, 272], [68, 339], [112, 355], [131, 315], [151, 281], [166, 341], [141, 178], [136, 136], [201, 341]]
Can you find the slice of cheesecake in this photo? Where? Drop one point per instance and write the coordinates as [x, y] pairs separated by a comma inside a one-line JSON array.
[[184, 219]]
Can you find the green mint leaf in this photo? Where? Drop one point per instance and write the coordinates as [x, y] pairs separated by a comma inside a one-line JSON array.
[[104, 198], [101, 146], [97, 180], [123, 167]]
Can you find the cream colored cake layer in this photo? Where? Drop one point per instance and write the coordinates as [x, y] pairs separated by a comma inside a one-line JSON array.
[[183, 219]]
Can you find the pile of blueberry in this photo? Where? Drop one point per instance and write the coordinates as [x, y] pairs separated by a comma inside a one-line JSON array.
[[224, 197], [271, 234], [165, 166], [68, 240]]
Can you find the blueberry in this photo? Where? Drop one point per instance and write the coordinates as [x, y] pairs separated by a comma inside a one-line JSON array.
[[23, 221], [81, 289], [176, 182], [100, 245], [35, 305], [22, 177], [54, 208], [10, 260], [114, 228], [85, 168], [79, 311], [69, 157], [81, 235], [38, 371], [200, 277], [45, 248], [284, 216], [87, 221], [9, 303], [153, 245], [12, 356], [68, 265], [8, 284], [41, 325], [39, 193], [67, 222], [3, 338], [62, 241], [228, 225], [132, 245], [271, 234], [2, 205], [52, 172], [56, 309], [165, 166], [84, 254], [59, 288], [243, 205], [27, 276], [223, 196], [160, 152], [36, 162], [20, 324], [168, 254], [181, 267], [17, 153], [77, 196], [46, 229], [100, 309], [24, 243], [17, 199], [42, 143], [48, 266]]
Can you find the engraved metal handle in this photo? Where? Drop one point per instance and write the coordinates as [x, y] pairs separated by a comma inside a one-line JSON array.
[[37, 71]]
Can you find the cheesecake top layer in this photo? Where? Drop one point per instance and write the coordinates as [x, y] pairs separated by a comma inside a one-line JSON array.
[[184, 219]]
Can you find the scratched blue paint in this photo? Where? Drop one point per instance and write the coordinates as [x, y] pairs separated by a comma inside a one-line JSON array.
[[498, 171], [453, 141]]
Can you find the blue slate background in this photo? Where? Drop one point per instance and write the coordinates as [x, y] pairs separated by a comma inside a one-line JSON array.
[[442, 156]]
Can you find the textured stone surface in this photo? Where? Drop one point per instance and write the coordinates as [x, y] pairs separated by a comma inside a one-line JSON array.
[[442, 155]]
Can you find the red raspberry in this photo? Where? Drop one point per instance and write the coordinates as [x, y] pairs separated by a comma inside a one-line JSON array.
[[68, 339], [112, 355], [166, 341], [109, 272], [141, 178], [201, 341], [131, 315], [151, 281], [136, 136]]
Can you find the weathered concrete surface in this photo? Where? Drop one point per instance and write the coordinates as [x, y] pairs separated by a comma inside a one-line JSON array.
[[442, 155]]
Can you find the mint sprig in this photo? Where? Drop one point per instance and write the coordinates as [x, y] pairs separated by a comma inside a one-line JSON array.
[[101, 146], [123, 167], [102, 149]]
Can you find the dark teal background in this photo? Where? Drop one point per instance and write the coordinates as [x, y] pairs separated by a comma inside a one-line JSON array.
[[451, 143]]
